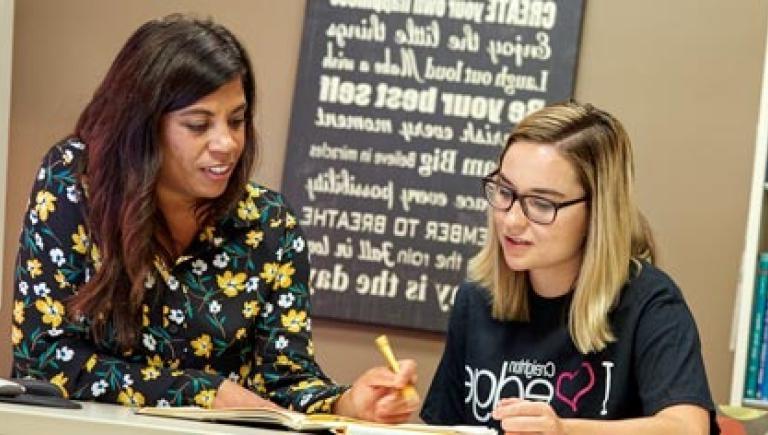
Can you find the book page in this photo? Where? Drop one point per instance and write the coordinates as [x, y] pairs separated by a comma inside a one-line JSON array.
[[302, 422], [365, 428]]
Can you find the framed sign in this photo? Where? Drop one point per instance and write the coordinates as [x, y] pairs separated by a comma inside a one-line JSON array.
[[400, 107]]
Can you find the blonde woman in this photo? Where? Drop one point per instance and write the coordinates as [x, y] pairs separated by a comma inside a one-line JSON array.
[[565, 325]]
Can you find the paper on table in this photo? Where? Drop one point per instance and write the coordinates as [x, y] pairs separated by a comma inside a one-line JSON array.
[[302, 422], [411, 429]]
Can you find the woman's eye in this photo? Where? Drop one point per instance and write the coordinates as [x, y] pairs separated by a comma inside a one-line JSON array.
[[504, 192], [197, 127], [540, 203], [237, 122]]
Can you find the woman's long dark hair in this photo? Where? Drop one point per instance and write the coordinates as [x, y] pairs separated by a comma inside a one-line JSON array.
[[164, 66]]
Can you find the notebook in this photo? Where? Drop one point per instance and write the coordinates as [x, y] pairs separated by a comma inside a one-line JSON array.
[[308, 422]]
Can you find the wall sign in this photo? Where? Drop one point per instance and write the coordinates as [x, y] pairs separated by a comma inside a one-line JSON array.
[[400, 107]]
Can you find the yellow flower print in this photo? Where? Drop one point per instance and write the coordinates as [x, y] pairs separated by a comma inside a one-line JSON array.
[[144, 315], [274, 223], [202, 345], [247, 210], [303, 385], [311, 348], [155, 361], [250, 309], [269, 272], [45, 202], [231, 284], [258, 383], [205, 398], [245, 370], [177, 373], [210, 370], [80, 240], [18, 312], [91, 363], [183, 259], [166, 310], [284, 275], [161, 268], [294, 320], [254, 238], [173, 363], [322, 405], [34, 267], [60, 381], [128, 397], [207, 233], [150, 373], [16, 335], [52, 311], [285, 361], [96, 256], [61, 279], [240, 334], [290, 221], [253, 192]]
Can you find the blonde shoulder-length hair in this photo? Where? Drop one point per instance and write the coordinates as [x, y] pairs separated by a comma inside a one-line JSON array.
[[599, 149]]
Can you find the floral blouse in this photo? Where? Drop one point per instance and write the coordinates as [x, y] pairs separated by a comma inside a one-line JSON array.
[[235, 306]]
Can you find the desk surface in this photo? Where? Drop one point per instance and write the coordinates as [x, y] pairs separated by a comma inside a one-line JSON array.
[[100, 418]]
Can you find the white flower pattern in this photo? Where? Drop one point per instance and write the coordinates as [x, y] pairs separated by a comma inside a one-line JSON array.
[[57, 257], [221, 260]]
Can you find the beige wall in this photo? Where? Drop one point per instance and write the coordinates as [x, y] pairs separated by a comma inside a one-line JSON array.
[[683, 76]]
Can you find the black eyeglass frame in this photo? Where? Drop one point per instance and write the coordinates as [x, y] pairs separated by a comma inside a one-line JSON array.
[[520, 197]]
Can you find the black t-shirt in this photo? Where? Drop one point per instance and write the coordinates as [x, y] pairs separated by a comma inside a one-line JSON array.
[[654, 363]]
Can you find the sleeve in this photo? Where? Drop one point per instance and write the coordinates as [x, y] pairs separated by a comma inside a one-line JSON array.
[[292, 378], [667, 357], [50, 266], [444, 402]]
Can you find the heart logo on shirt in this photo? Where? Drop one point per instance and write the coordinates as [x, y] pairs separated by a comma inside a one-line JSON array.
[[574, 378]]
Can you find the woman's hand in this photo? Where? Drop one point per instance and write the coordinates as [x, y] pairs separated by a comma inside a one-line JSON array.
[[377, 396], [232, 395], [520, 416]]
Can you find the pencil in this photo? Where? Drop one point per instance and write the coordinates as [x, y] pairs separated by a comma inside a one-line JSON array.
[[383, 344]]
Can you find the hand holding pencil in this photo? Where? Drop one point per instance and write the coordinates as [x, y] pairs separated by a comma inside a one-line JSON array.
[[409, 392], [382, 394]]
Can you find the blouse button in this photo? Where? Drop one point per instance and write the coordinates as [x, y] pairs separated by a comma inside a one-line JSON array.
[[173, 329]]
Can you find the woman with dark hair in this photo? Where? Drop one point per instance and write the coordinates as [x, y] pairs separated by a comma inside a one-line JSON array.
[[150, 270]]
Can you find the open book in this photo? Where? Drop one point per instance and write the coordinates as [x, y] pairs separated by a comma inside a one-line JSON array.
[[309, 422]]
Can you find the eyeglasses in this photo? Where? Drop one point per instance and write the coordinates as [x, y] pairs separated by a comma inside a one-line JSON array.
[[536, 208]]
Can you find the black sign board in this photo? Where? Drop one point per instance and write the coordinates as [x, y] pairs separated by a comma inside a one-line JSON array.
[[400, 107]]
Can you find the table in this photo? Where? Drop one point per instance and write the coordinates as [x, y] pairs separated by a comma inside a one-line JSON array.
[[101, 418]]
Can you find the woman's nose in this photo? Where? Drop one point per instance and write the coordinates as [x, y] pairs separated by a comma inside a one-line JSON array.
[[223, 140], [515, 216]]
